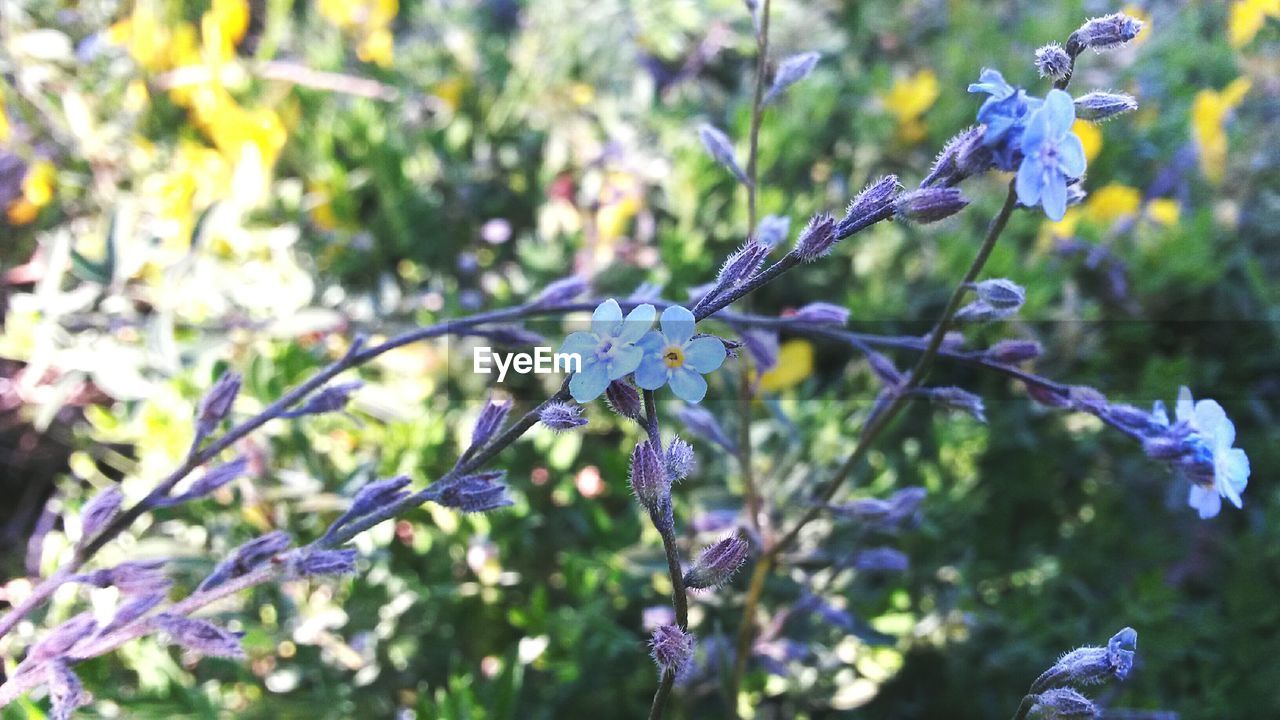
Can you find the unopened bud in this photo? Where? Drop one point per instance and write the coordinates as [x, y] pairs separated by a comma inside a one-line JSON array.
[[1053, 62], [1101, 106], [717, 564], [1107, 32], [672, 649], [624, 399], [562, 416]]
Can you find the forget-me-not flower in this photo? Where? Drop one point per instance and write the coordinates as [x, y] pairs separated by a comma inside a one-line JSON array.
[[1216, 469], [1051, 155], [609, 351], [1005, 114], [674, 356]]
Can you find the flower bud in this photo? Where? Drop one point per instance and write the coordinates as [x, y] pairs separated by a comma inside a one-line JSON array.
[[1101, 106], [817, 238], [326, 562], [562, 416], [873, 204], [959, 399], [332, 398], [560, 291], [680, 460], [217, 403], [1106, 32], [489, 421], [481, 492], [247, 557], [821, 313], [720, 148], [1053, 62], [741, 266], [649, 479], [212, 479], [1063, 704], [791, 71], [884, 368], [1000, 293], [1014, 351], [131, 578], [624, 399], [66, 693], [61, 639], [130, 611], [929, 204], [717, 564], [881, 559], [200, 637], [99, 511], [672, 649]]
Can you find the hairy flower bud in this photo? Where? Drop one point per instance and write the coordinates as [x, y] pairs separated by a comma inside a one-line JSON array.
[[66, 693], [717, 564], [881, 559], [212, 479], [61, 639], [489, 421], [821, 313], [130, 611], [326, 562], [672, 649], [741, 266], [928, 205], [680, 460], [959, 399], [562, 416], [873, 204], [481, 492], [332, 398], [247, 557], [720, 148], [99, 511], [624, 399], [1063, 704], [1092, 665], [884, 368], [963, 156], [199, 637], [1101, 106], [649, 479], [216, 404], [1053, 62], [1000, 293], [1014, 351], [131, 578], [981, 311], [817, 238], [560, 291], [791, 71], [1107, 32]]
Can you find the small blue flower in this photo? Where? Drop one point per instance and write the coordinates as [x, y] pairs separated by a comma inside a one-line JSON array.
[[1052, 155], [1005, 116], [609, 351], [674, 356], [1216, 469]]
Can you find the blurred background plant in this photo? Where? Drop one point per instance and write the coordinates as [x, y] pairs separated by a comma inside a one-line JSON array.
[[191, 186]]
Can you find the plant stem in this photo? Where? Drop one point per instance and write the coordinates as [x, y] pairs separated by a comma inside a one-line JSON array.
[[757, 113]]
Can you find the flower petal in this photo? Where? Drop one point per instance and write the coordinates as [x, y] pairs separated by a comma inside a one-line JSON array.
[[1185, 410], [1028, 183], [637, 323], [688, 385], [1060, 112], [1232, 474], [1054, 196], [677, 325], [1071, 156], [704, 354], [606, 317], [582, 344], [625, 361], [1205, 500], [1036, 132], [587, 384], [1212, 422], [652, 343], [652, 373]]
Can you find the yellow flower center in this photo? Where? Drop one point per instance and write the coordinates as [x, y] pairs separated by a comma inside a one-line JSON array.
[[673, 356]]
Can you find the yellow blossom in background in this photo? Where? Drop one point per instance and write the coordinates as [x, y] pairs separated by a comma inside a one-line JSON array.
[[1112, 202], [378, 47], [1164, 211], [1246, 19], [909, 99], [37, 191], [795, 363], [621, 198], [222, 27], [1090, 137], [368, 22], [1064, 228], [4, 124], [144, 37], [1209, 113]]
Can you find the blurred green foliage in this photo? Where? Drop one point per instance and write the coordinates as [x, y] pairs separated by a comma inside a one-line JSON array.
[[212, 199]]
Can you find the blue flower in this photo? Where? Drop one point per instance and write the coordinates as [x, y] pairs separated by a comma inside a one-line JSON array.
[[1051, 155], [1005, 116], [1216, 469], [609, 351], [674, 356]]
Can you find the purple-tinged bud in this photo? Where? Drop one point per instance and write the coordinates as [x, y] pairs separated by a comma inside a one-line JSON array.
[[562, 416], [817, 238], [247, 557], [1121, 649], [624, 399], [1106, 32], [928, 205], [325, 562], [672, 650], [329, 399], [99, 511], [704, 425], [561, 291], [1053, 62], [1103, 106], [884, 368], [1063, 703], [720, 148], [649, 479], [821, 313], [873, 204], [131, 578], [980, 311], [130, 611], [477, 493], [1092, 665], [791, 71], [199, 637], [773, 230], [741, 266], [717, 564], [217, 403], [1164, 447], [1135, 419], [1014, 351], [899, 507], [1087, 399], [212, 479], [371, 498], [959, 399], [66, 693], [490, 420], [906, 502], [1049, 397], [1000, 293], [762, 346], [61, 639], [964, 155], [881, 559], [680, 460]]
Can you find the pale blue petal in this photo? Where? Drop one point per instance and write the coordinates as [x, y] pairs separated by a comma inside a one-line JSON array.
[[625, 361], [1035, 133], [582, 344], [637, 323], [1060, 112], [688, 385], [652, 373], [606, 317], [704, 354], [1159, 414], [652, 343], [1054, 196], [1071, 156], [1232, 474], [1205, 500], [1028, 183], [587, 384], [1212, 422], [677, 325], [1185, 410]]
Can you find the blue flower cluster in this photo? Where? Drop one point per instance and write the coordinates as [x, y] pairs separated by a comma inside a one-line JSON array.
[[616, 347], [1033, 137], [1199, 444]]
